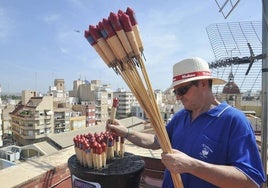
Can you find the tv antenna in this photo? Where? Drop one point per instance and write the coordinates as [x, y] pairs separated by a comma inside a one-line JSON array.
[[226, 6], [235, 44]]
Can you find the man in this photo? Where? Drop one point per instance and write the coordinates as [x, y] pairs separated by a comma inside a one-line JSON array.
[[213, 143]]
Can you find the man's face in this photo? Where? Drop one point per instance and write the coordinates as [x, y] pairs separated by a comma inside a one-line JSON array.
[[187, 93]]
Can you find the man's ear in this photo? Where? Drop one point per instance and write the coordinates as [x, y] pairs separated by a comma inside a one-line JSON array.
[[203, 83]]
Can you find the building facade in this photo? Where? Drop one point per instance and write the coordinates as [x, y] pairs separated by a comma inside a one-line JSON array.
[[58, 91], [93, 92], [87, 110], [126, 100], [32, 121], [1, 125], [62, 119]]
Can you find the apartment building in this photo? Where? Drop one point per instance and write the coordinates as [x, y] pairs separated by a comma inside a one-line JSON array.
[[137, 111], [77, 122], [90, 115], [32, 120], [158, 96], [61, 119], [94, 92], [58, 91], [35, 118], [6, 126], [101, 106], [1, 125], [88, 111], [126, 100]]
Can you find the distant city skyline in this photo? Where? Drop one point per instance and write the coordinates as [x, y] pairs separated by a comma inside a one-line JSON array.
[[44, 40]]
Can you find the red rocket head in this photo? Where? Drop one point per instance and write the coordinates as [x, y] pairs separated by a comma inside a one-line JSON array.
[[114, 19], [108, 27], [94, 32], [115, 102], [132, 16], [89, 37], [124, 18]]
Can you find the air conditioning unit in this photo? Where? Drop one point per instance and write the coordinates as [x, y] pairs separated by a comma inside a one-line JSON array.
[[10, 156]]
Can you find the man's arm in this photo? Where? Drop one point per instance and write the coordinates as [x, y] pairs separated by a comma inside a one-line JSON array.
[[144, 140]]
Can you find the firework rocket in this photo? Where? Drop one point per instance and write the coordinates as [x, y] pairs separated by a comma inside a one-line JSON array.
[[110, 144], [130, 33], [94, 44], [104, 155], [114, 19], [135, 27], [95, 33], [113, 41]]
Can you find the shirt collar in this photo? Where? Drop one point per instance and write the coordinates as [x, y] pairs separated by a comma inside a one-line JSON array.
[[218, 110]]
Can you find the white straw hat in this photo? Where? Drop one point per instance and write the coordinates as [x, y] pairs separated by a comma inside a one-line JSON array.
[[193, 69]]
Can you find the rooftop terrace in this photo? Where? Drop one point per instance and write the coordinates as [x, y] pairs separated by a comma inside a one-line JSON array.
[[52, 170]]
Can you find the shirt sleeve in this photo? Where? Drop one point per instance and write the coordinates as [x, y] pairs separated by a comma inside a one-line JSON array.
[[243, 152]]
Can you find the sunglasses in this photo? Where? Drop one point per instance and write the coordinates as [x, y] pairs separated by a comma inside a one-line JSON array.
[[183, 90]]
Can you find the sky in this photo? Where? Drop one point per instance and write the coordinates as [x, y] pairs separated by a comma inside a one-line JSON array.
[[44, 40]]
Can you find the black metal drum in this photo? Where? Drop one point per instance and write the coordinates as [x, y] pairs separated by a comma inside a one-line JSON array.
[[120, 173]]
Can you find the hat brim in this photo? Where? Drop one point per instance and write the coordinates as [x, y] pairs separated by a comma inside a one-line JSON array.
[[215, 81]]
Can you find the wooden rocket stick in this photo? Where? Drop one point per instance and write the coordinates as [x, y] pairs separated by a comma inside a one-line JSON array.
[[80, 151], [110, 151], [122, 146], [94, 155], [99, 156], [104, 156], [117, 149], [84, 153], [111, 139], [88, 155]]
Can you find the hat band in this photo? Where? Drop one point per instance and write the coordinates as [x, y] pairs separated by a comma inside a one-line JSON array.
[[191, 75]]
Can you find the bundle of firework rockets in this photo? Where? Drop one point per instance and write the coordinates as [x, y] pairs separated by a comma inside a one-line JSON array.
[[117, 41], [94, 150]]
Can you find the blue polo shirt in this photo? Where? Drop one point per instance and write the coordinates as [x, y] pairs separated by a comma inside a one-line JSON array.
[[220, 136]]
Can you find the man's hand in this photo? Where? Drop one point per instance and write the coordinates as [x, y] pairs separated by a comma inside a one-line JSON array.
[[177, 162], [115, 127]]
